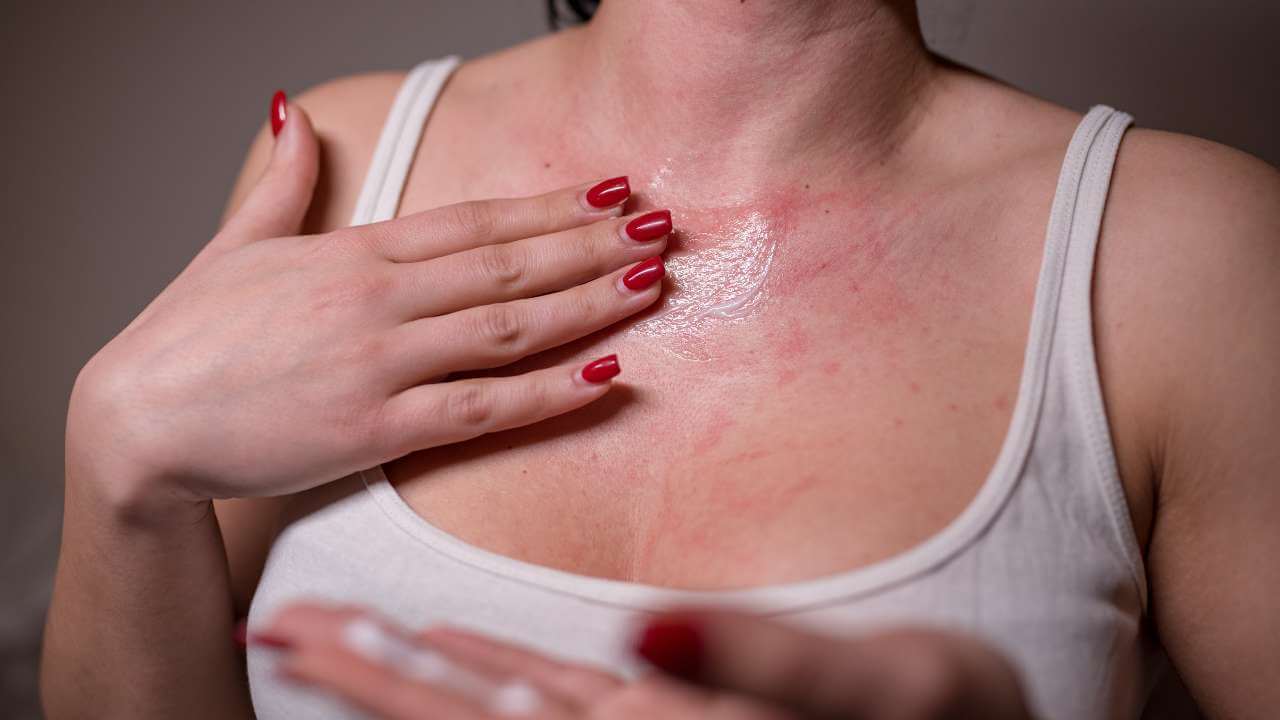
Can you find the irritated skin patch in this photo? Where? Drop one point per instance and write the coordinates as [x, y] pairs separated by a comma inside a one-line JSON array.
[[722, 261], [719, 267], [734, 257], [796, 310]]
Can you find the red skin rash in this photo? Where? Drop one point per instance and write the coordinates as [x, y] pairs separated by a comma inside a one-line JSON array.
[[855, 282], [842, 254], [796, 342], [766, 501], [714, 432], [833, 245], [848, 260], [720, 265], [750, 456], [858, 234], [858, 263], [758, 504]]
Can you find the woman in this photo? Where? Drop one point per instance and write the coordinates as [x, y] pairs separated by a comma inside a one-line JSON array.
[[835, 415]]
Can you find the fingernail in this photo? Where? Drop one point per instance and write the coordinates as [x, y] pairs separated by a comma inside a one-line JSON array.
[[271, 640], [674, 646], [241, 633], [650, 226], [609, 193], [279, 108], [645, 274], [598, 371]]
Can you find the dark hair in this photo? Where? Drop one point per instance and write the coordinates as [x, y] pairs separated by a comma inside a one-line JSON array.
[[570, 12]]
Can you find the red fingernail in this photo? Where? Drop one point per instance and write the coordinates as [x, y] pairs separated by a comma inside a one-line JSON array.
[[645, 274], [609, 193], [279, 107], [241, 633], [650, 226], [266, 639], [673, 645], [597, 371]]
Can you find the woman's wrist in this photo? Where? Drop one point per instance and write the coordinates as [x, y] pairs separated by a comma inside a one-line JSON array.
[[128, 493], [108, 470]]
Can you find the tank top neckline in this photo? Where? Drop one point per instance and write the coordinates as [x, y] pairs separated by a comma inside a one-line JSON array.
[[379, 200]]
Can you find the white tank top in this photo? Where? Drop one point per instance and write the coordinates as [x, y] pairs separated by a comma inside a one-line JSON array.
[[1043, 563]]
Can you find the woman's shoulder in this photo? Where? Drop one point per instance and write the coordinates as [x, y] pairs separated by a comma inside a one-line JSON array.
[[348, 114], [1186, 306], [1185, 183], [1192, 230], [1185, 297], [1188, 256], [1178, 203]]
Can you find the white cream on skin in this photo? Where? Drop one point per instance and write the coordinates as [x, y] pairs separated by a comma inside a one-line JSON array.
[[372, 641], [716, 275]]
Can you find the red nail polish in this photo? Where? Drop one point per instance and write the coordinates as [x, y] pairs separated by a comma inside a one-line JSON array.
[[674, 646], [609, 193], [266, 639], [279, 107], [645, 274], [597, 371], [650, 226], [241, 633]]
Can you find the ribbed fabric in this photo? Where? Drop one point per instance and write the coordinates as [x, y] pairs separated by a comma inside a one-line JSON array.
[[1043, 562]]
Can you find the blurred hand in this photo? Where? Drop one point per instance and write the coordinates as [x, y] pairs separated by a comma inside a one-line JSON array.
[[276, 362], [900, 674], [715, 665]]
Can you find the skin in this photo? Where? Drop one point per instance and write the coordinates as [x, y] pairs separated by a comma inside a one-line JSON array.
[[909, 210]]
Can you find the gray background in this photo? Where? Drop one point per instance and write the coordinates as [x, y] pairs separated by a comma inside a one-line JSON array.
[[124, 124]]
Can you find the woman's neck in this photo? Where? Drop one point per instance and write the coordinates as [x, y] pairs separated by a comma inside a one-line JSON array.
[[754, 90]]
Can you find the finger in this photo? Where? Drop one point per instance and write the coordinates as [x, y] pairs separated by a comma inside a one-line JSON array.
[[277, 204], [507, 271], [495, 335], [375, 687], [304, 622], [755, 657], [431, 415], [578, 684], [903, 673], [384, 670], [466, 225], [731, 706]]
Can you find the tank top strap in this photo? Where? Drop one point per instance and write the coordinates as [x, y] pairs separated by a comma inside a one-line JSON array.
[[384, 183], [1067, 346], [1074, 220]]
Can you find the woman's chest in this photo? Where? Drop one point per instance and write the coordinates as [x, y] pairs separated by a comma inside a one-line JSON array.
[[826, 382], [844, 411]]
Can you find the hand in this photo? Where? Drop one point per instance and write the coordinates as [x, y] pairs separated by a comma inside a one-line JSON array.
[[723, 666], [277, 362], [446, 674], [900, 674]]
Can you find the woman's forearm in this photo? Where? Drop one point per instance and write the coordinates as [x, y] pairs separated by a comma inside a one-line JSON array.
[[141, 620]]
